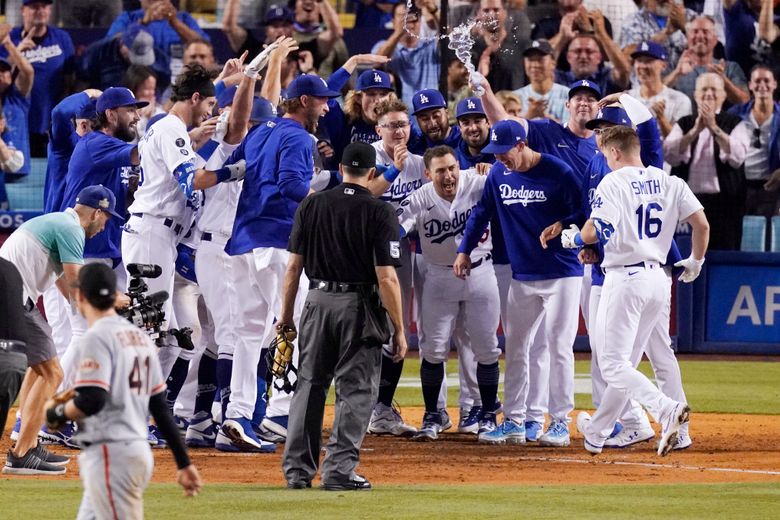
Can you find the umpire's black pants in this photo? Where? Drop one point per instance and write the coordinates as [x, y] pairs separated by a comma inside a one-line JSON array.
[[331, 350]]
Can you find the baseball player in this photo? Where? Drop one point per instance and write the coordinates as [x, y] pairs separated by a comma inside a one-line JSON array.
[[635, 212], [474, 132], [524, 189], [438, 210], [118, 383], [280, 159], [170, 174], [430, 110], [48, 250]]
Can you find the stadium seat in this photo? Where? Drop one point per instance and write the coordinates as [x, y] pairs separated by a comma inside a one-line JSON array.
[[775, 244], [753, 233], [27, 194]]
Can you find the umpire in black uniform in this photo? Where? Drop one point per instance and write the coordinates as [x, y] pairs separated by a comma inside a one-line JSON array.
[[13, 337], [347, 241]]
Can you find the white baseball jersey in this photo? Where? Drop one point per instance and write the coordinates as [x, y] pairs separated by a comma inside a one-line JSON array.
[[440, 223], [120, 358], [218, 210], [163, 148], [410, 178], [644, 206]]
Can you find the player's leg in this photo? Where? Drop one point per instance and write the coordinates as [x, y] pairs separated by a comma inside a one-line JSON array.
[[482, 305], [538, 384], [57, 310], [439, 308], [469, 401], [524, 314], [598, 385], [561, 309]]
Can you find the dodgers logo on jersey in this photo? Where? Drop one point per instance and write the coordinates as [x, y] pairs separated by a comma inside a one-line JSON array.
[[520, 195], [400, 190], [444, 229]]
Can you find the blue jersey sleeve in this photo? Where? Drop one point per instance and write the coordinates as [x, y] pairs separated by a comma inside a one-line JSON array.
[[479, 218], [185, 176], [62, 129], [338, 79], [119, 25], [650, 149], [296, 167], [110, 153]]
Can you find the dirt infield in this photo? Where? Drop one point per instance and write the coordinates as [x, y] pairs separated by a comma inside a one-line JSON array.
[[727, 448]]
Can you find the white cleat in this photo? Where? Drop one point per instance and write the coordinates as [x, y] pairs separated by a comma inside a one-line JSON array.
[[629, 436], [671, 427], [583, 422], [387, 420]]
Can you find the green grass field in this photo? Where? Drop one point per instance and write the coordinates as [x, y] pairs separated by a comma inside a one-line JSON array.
[[712, 386]]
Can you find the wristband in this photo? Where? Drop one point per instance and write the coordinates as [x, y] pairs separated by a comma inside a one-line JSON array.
[[391, 173], [223, 174], [578, 240]]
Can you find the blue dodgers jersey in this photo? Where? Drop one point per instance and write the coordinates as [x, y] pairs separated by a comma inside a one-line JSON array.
[[652, 154], [16, 110], [466, 160], [526, 203], [52, 58], [419, 142], [279, 166], [100, 159], [62, 141], [547, 136]]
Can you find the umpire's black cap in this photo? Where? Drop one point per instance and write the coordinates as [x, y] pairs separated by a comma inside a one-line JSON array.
[[359, 155], [97, 282]]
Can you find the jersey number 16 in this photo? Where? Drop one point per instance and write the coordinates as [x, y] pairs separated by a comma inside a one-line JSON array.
[[648, 225], [139, 375]]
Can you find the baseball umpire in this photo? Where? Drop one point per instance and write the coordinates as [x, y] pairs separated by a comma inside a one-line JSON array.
[[348, 243]]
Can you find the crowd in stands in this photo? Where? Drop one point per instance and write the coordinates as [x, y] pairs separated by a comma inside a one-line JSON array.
[[706, 69]]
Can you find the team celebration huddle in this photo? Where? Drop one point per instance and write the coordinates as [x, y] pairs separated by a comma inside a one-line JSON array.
[[208, 300]]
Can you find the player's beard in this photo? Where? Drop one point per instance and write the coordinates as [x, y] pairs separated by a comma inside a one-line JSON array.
[[126, 133]]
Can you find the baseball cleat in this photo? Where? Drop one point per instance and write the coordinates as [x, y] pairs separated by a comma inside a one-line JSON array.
[[201, 432], [30, 464], [155, 438], [671, 427], [222, 443], [431, 426], [63, 437], [277, 425], [629, 435], [469, 420], [508, 433], [617, 429], [487, 423], [583, 421], [239, 431], [684, 441], [556, 436], [182, 424], [446, 422], [387, 420], [533, 430]]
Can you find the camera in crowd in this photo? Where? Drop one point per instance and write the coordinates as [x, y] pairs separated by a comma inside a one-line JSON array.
[[145, 310]]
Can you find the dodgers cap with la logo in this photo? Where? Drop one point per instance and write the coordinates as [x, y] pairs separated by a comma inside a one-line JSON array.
[[373, 79], [426, 100], [651, 49], [504, 136], [584, 84], [612, 115], [309, 85], [469, 105]]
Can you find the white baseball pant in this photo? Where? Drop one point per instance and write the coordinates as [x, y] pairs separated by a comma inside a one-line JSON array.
[[630, 308], [115, 476], [57, 315], [541, 311]]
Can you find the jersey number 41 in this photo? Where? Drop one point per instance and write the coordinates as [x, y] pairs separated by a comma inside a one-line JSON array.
[[139, 375]]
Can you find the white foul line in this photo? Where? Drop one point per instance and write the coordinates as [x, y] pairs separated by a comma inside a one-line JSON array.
[[650, 465]]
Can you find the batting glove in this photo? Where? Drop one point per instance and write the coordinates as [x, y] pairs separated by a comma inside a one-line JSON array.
[[222, 126], [237, 170], [692, 269], [260, 61], [569, 237]]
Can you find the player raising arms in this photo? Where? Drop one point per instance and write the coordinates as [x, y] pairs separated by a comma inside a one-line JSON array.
[[636, 210], [118, 382]]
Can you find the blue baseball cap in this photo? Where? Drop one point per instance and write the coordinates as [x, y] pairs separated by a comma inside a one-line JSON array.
[[584, 84], [278, 13], [373, 79], [115, 97], [310, 85], [262, 110], [504, 136], [30, 2], [468, 106], [225, 98], [650, 48], [99, 197], [88, 111], [611, 115], [426, 100]]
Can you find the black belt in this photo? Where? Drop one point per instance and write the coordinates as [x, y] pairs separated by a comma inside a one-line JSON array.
[[29, 305], [340, 287], [206, 236], [12, 345], [168, 222]]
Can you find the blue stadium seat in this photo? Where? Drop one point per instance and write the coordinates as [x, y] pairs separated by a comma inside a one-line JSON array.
[[753, 233], [27, 194], [775, 244]]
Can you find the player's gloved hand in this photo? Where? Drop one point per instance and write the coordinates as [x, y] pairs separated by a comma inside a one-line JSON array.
[[55, 409], [237, 170], [260, 61], [222, 126], [567, 237], [692, 268]]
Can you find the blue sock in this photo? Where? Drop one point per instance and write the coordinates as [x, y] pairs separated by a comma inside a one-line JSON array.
[[487, 380], [224, 372], [431, 377], [207, 384], [260, 402], [176, 380]]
